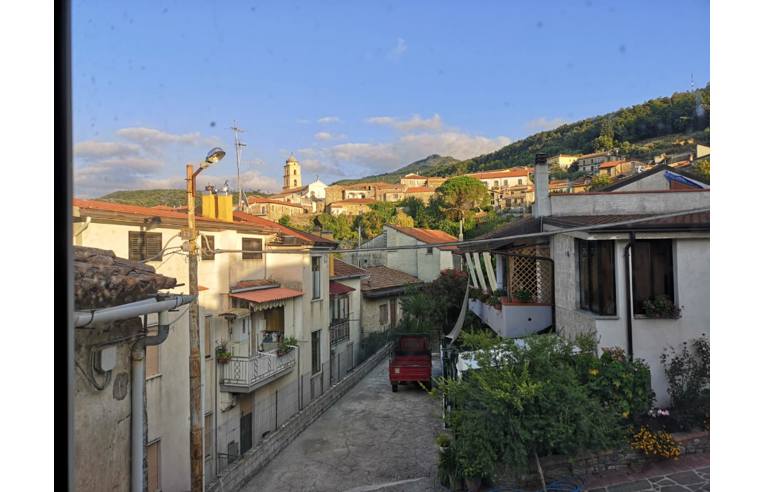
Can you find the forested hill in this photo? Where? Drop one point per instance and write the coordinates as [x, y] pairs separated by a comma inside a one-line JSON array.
[[665, 124], [418, 167], [151, 198]]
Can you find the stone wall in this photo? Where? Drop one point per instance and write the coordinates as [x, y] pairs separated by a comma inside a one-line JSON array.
[[254, 460], [558, 467]]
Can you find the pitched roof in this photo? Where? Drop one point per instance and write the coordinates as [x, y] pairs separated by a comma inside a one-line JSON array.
[[305, 236], [653, 170], [338, 289], [257, 199], [694, 221], [609, 164], [263, 227], [527, 225], [504, 173], [382, 277], [593, 154], [428, 236], [346, 270]]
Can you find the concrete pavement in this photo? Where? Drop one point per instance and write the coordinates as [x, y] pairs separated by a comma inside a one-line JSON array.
[[371, 440]]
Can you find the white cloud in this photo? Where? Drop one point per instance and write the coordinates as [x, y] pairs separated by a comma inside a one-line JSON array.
[[397, 52], [543, 123], [416, 122], [91, 149], [328, 119], [387, 156], [326, 136], [153, 138]]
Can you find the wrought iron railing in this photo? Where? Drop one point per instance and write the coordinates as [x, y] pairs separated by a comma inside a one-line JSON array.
[[247, 371], [339, 330]]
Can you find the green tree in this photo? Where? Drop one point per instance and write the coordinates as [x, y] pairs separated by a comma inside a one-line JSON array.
[[402, 219], [461, 195], [600, 181], [285, 220]]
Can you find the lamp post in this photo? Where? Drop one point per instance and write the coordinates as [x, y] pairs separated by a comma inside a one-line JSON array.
[[194, 359]]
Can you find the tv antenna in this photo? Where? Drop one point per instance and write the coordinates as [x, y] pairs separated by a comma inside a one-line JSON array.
[[238, 144]]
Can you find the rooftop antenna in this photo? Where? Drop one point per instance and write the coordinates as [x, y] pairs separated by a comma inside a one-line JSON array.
[[238, 144]]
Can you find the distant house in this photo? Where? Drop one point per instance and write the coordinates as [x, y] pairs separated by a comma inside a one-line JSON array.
[[413, 180], [382, 290], [423, 193], [559, 186], [424, 263], [589, 163], [353, 206], [615, 168], [562, 161], [435, 181], [272, 209], [504, 178]]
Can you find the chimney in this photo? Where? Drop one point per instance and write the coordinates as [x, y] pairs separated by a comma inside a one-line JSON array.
[[209, 210], [543, 205]]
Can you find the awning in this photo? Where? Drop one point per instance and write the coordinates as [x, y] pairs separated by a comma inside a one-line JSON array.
[[235, 313], [338, 289], [267, 295]]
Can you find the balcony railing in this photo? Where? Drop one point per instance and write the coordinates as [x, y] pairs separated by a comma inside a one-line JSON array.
[[245, 374], [339, 330]]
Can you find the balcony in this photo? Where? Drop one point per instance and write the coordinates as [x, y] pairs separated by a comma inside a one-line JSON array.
[[246, 374], [339, 331], [530, 278]]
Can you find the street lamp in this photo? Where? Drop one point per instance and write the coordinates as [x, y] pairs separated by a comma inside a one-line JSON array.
[[194, 359]]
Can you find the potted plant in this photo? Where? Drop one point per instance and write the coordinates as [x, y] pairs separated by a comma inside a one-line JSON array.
[[286, 345], [661, 307], [222, 355], [522, 295]]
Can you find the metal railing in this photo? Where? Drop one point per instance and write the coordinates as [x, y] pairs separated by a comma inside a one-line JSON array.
[[248, 371], [339, 330]]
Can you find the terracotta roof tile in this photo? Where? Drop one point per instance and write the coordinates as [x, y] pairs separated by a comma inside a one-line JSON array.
[[345, 270], [338, 289], [609, 164], [429, 236], [306, 236], [382, 277], [256, 199], [420, 189], [504, 173]]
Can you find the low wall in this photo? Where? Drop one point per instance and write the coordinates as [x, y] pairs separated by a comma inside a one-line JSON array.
[[254, 460], [588, 464]]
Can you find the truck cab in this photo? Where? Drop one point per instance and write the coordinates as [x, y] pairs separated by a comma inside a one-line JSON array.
[[411, 361]]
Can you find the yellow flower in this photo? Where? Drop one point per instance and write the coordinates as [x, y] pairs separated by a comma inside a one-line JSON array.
[[625, 414], [594, 371]]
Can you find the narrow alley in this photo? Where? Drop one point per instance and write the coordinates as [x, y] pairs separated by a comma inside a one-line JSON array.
[[371, 439]]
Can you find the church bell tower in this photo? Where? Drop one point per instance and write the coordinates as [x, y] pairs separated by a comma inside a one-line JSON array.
[[292, 178]]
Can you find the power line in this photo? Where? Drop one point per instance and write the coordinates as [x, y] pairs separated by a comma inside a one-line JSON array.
[[238, 145], [476, 241]]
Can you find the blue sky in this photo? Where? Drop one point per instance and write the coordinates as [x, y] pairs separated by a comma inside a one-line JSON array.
[[355, 88]]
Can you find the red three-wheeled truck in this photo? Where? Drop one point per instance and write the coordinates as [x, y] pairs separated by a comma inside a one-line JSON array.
[[411, 360]]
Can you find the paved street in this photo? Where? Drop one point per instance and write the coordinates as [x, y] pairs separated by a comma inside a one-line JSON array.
[[685, 481], [371, 439]]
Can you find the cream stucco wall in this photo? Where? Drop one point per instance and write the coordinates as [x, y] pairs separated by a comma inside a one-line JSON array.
[[167, 397], [627, 203], [650, 336]]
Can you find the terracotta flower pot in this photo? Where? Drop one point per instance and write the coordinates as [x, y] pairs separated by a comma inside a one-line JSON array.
[[473, 484]]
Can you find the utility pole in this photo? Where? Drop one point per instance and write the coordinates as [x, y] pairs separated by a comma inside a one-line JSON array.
[[238, 144], [194, 358]]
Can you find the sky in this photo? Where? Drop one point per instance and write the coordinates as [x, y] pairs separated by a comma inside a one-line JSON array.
[[354, 88]]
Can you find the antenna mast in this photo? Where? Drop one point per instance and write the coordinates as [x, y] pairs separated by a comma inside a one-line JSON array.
[[238, 145]]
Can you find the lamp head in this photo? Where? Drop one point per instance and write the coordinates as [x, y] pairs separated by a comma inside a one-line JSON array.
[[213, 156]]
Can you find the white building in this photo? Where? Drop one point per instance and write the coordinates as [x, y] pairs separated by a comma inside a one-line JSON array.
[[597, 279], [424, 263], [250, 299]]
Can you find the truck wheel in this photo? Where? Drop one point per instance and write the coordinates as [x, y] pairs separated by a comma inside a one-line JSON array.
[[395, 387]]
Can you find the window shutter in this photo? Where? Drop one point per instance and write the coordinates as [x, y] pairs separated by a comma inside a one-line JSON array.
[[144, 245], [249, 244]]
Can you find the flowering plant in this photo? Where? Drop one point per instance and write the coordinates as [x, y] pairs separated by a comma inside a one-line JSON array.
[[660, 444]]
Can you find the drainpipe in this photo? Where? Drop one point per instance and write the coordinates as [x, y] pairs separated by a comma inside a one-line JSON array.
[[627, 269], [137, 400], [133, 309]]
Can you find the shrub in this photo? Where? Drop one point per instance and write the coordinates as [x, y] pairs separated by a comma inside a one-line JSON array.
[[661, 307], [523, 295], [688, 372]]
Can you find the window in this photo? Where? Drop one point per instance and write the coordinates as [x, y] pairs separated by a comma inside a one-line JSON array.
[[520, 181], [250, 244], [339, 308], [208, 435], [496, 183], [315, 267], [295, 182], [208, 247], [596, 276], [144, 245], [383, 311], [274, 319], [429, 251], [315, 351], [506, 182], [207, 337], [153, 455], [152, 361], [652, 271], [245, 432]]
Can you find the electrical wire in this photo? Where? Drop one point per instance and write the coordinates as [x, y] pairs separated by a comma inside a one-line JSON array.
[[165, 248], [473, 241]]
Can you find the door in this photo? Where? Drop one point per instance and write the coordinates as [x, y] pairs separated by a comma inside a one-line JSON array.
[[245, 432]]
